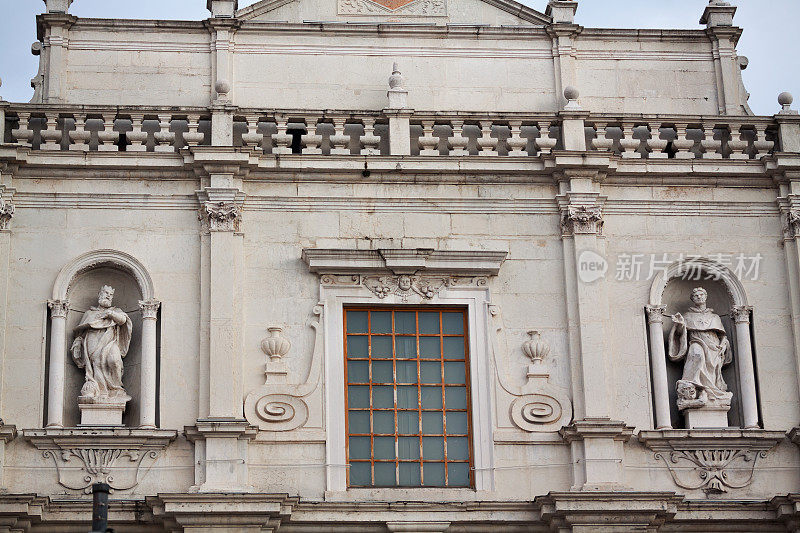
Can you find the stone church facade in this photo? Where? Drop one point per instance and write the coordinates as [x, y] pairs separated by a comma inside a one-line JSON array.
[[397, 265]]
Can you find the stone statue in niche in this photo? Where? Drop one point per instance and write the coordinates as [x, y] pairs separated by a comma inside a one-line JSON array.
[[698, 338], [101, 343]]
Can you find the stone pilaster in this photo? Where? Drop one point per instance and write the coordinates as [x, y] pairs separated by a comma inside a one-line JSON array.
[[7, 433], [55, 38], [731, 95], [563, 32], [6, 214]]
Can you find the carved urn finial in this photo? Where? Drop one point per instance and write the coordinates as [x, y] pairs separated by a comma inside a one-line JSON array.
[[536, 348], [396, 80], [276, 346]]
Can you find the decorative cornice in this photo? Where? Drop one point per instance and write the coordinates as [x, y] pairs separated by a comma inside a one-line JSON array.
[[216, 510], [404, 261]]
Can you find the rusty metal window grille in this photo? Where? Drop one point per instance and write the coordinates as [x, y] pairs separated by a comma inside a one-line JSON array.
[[407, 397]]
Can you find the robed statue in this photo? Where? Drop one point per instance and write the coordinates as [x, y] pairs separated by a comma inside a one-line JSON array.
[[699, 338], [101, 343]]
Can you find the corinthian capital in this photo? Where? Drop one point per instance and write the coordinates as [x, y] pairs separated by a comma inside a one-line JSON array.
[[58, 308], [222, 216], [793, 223], [741, 314], [6, 213], [655, 313], [582, 219], [149, 308]]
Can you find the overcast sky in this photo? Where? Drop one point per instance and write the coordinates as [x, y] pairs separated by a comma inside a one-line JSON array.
[[771, 37]]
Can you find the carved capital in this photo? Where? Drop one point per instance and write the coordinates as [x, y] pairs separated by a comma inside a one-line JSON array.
[[58, 308], [655, 313], [6, 213], [582, 219], [741, 314], [149, 309], [792, 228], [222, 216]]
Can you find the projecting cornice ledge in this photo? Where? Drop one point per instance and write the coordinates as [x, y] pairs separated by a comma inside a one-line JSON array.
[[404, 262]]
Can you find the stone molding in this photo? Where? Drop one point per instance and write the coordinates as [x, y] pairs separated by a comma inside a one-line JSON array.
[[7, 432], [280, 406], [220, 428], [418, 527], [597, 428], [712, 460], [116, 456], [404, 261], [409, 8], [242, 512]]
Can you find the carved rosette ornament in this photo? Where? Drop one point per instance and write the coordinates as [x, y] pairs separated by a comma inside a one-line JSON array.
[[6, 213], [582, 219], [222, 216]]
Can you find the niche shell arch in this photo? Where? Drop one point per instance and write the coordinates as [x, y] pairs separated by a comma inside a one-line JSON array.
[[101, 258], [712, 268]]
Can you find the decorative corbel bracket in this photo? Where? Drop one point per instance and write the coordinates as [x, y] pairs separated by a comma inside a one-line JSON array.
[[712, 460], [119, 457]]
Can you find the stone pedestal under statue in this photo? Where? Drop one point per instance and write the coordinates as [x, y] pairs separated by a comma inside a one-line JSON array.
[[105, 413]]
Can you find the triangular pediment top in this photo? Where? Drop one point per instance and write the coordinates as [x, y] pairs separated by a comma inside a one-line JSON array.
[[263, 10]]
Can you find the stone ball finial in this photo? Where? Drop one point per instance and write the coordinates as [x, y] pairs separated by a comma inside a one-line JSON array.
[[222, 87], [396, 79], [571, 93], [785, 99]]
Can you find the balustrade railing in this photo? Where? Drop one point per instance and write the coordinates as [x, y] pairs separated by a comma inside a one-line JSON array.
[[55, 127]]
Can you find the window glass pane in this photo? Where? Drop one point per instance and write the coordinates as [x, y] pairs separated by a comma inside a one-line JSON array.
[[430, 372], [406, 371], [430, 348], [458, 474], [358, 372], [360, 474], [455, 397], [382, 422], [405, 347], [382, 397], [457, 423], [359, 421], [384, 448], [381, 347], [381, 321], [407, 397], [454, 347], [405, 322], [410, 475], [408, 422], [408, 448], [431, 397], [359, 447], [433, 448], [385, 475], [357, 346], [457, 447], [453, 323], [357, 322], [382, 372], [432, 423], [429, 323], [434, 474], [455, 372], [358, 396]]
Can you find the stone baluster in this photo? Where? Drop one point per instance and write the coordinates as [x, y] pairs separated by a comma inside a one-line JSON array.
[[682, 144], [738, 143], [193, 137], [137, 137], [711, 146], [744, 358], [428, 144], [23, 134], [340, 143], [57, 363], [761, 145], [147, 400], [601, 142], [658, 365], [51, 135], [370, 141], [486, 142], [165, 139], [544, 142], [516, 143], [312, 141], [80, 136], [655, 143], [252, 139], [281, 141], [107, 137], [628, 144], [458, 142]]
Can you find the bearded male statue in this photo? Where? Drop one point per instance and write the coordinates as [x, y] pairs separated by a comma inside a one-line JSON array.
[[699, 338], [101, 343]]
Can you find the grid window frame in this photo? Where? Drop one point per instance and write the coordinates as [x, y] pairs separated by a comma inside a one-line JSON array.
[[450, 464]]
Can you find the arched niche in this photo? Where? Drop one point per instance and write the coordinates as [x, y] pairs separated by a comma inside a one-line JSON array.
[[670, 294], [74, 292]]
